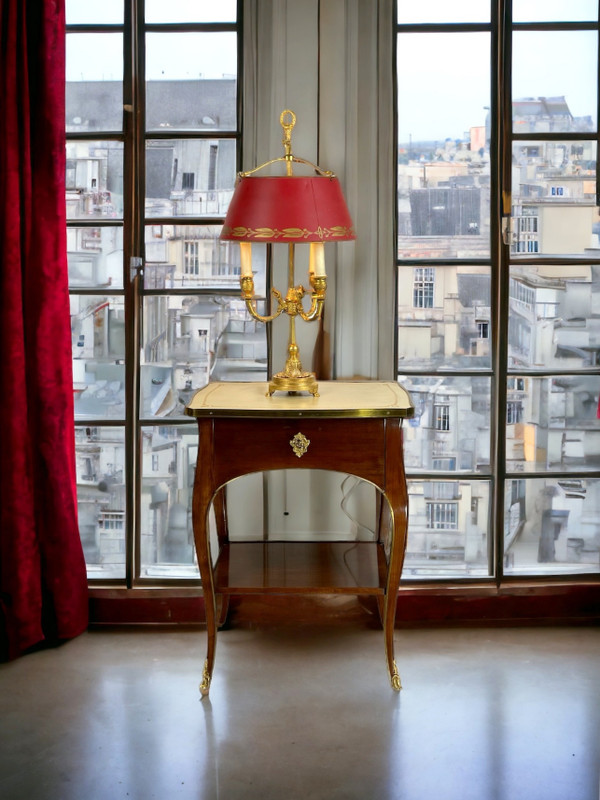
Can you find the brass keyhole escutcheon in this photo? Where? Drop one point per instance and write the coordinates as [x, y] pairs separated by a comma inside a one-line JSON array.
[[299, 444]]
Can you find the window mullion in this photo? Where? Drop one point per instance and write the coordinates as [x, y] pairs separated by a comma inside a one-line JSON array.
[[133, 181], [501, 198]]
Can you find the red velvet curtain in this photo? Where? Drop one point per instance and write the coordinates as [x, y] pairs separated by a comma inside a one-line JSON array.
[[43, 587]]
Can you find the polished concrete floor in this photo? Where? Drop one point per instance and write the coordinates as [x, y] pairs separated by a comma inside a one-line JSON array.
[[306, 713]]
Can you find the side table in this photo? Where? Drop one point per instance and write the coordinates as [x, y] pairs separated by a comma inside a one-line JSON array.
[[351, 427]]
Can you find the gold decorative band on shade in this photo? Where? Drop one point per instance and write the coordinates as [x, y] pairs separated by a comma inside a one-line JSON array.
[[337, 232]]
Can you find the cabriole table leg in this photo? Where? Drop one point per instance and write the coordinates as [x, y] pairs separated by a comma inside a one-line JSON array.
[[201, 501], [396, 494]]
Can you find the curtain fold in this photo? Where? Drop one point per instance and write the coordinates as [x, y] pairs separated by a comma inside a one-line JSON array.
[[356, 141], [43, 586]]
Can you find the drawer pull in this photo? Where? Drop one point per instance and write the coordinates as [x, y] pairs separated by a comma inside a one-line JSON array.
[[299, 444]]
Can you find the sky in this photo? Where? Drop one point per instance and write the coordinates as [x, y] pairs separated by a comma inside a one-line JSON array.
[[170, 56], [111, 11], [444, 79], [444, 82], [479, 10]]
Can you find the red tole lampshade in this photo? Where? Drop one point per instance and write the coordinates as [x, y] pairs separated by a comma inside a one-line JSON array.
[[288, 209]]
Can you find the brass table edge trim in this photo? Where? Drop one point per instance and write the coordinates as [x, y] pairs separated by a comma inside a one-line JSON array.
[[291, 414]]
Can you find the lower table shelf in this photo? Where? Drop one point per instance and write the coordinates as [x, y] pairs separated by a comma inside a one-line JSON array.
[[346, 567]]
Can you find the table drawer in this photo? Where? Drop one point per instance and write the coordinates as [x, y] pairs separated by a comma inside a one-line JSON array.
[[355, 446]]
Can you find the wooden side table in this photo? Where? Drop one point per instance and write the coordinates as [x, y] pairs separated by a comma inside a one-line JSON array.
[[351, 427]]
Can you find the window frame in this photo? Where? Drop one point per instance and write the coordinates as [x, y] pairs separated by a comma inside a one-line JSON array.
[[134, 223], [523, 249]]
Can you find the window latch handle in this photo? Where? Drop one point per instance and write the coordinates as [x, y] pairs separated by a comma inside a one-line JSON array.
[[136, 267], [507, 230]]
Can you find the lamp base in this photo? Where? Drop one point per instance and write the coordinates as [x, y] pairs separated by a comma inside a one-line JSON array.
[[305, 382]]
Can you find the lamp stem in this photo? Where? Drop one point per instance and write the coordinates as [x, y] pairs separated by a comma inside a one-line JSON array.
[[293, 379], [293, 366], [291, 258]]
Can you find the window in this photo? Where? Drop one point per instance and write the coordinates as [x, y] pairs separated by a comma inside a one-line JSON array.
[[441, 417], [111, 522], [203, 339], [212, 166], [446, 464], [445, 490], [442, 515], [423, 287], [527, 224], [514, 412], [155, 301], [517, 489], [521, 293], [187, 180], [191, 260], [496, 199]]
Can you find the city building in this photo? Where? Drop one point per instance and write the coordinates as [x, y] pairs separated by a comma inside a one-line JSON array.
[[444, 316]]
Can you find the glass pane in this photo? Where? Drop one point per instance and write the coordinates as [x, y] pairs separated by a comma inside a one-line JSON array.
[[444, 317], [191, 11], [555, 10], [181, 256], [81, 12], [448, 528], [100, 464], [450, 430], [94, 89], [191, 81], [189, 177], [94, 179], [95, 257], [554, 321], [189, 341], [98, 337], [443, 11], [168, 463], [554, 81], [551, 423], [551, 526], [554, 198], [443, 146]]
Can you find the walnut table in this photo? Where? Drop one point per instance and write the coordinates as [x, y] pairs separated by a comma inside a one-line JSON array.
[[351, 427]]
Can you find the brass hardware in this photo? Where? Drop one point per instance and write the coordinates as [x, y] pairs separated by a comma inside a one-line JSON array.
[[303, 382], [289, 158], [395, 678], [205, 685], [299, 444], [508, 235], [287, 136], [292, 378]]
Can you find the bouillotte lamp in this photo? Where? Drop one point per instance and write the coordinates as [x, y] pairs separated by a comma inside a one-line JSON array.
[[292, 210]]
